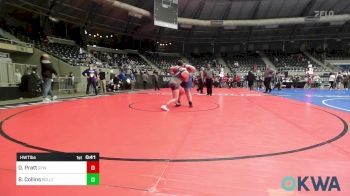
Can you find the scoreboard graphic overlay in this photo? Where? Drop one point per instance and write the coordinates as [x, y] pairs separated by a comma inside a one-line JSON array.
[[57, 169]]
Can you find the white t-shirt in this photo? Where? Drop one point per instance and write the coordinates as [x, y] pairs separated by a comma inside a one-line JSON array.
[[332, 78]]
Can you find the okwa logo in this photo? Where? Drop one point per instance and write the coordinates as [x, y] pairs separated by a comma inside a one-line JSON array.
[[307, 183]]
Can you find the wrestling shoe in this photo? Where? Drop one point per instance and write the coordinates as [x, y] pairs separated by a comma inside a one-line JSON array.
[[164, 108], [46, 100]]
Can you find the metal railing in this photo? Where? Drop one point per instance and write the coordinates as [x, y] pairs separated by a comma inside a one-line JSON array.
[[13, 42], [67, 84]]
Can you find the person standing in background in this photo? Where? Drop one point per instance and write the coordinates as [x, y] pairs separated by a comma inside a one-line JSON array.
[[345, 80], [339, 80], [91, 76], [18, 77], [71, 81], [102, 80], [208, 78], [250, 79], [331, 81], [156, 80], [309, 75], [48, 73], [122, 79], [201, 80], [144, 79], [132, 81], [267, 79], [279, 81]]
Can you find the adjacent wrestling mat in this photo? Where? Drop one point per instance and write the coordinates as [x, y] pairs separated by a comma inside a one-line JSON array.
[[236, 142]]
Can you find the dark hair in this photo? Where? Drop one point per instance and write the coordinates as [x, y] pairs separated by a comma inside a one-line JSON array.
[[180, 62]]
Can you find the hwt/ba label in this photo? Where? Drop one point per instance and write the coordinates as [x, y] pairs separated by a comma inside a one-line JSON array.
[[57, 169]]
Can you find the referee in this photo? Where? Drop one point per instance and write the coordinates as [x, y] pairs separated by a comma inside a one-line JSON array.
[[267, 78], [208, 78]]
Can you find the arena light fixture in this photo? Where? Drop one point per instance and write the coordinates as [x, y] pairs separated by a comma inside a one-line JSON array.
[[53, 19]]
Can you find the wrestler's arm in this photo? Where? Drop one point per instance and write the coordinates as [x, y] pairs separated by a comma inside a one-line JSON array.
[[190, 68]]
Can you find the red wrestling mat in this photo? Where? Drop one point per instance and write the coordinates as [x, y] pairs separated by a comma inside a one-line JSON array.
[[237, 142]]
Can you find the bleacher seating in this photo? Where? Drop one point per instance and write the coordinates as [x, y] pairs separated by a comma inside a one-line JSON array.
[[162, 62], [332, 55], [199, 61], [123, 61], [67, 53], [136, 60], [244, 62], [297, 62]]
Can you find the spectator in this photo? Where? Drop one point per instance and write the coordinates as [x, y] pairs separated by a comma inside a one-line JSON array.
[[102, 80], [237, 81], [48, 73], [259, 80], [339, 79], [91, 77], [122, 79], [230, 82], [201, 80], [345, 80], [116, 84], [18, 77], [331, 81], [144, 79], [132, 81], [71, 81], [156, 80], [267, 78], [34, 83], [250, 79], [279, 80]]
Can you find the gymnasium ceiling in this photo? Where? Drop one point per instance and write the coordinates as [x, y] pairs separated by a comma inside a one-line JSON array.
[[99, 14]]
